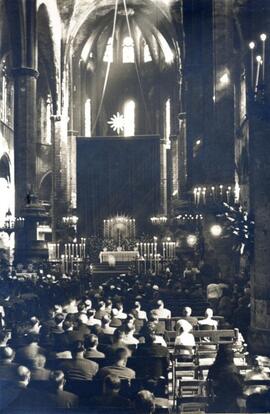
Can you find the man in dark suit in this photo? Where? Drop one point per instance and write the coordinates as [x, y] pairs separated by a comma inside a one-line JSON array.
[[151, 358], [59, 398], [110, 395], [26, 354], [150, 348], [8, 369], [78, 368], [91, 344], [38, 372], [17, 397], [118, 367]]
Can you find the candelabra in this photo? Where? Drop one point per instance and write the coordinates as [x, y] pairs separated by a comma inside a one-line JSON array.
[[11, 223], [70, 221], [159, 220], [257, 79]]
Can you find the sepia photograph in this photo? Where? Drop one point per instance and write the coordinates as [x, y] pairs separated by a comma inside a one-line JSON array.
[[134, 206]]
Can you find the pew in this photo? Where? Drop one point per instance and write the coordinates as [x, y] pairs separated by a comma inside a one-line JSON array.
[[220, 336]]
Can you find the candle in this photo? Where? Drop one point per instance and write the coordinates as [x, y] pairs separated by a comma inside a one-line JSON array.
[[199, 195], [251, 46], [194, 195], [204, 195], [144, 263], [259, 62], [263, 39], [65, 249], [213, 192], [71, 263]]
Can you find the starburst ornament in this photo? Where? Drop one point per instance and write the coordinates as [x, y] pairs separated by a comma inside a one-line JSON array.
[[117, 122]]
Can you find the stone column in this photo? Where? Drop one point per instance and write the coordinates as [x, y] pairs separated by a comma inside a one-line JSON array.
[[163, 178], [25, 81], [60, 168], [260, 204]]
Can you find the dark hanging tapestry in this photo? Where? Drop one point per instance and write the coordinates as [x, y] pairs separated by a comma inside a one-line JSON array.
[[117, 175]]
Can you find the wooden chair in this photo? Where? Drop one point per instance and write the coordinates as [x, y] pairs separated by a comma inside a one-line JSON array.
[[192, 405], [149, 367], [84, 389], [182, 370]]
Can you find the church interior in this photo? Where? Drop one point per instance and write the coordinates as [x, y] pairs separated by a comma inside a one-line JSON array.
[[134, 206]]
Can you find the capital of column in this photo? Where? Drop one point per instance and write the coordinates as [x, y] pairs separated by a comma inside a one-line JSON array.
[[56, 118], [25, 71]]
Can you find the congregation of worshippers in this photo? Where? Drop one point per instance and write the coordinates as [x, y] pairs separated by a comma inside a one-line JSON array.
[[137, 343]]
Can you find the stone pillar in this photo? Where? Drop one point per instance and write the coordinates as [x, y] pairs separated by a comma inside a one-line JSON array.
[[163, 178], [260, 204], [60, 168], [25, 81]]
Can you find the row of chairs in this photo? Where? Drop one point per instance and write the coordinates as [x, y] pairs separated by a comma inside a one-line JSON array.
[[170, 323], [220, 336]]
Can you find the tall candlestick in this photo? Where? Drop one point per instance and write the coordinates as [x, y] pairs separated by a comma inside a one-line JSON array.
[[259, 62], [263, 39], [251, 46]]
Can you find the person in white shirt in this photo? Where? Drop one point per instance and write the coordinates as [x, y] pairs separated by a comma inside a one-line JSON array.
[[105, 325], [91, 318], [161, 312], [121, 314], [138, 313], [184, 342], [208, 320], [183, 324], [129, 338]]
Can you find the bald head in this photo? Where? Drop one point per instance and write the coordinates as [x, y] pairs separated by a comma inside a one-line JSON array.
[[209, 313], [7, 353], [187, 311], [23, 374]]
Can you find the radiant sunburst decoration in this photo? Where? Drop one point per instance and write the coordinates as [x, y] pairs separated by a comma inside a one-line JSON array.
[[117, 122]]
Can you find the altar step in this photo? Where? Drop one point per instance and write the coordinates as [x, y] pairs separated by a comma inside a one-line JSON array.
[[102, 271], [120, 267]]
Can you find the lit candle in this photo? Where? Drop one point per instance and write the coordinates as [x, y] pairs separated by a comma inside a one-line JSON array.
[[199, 195], [204, 195], [213, 192], [194, 194], [259, 62], [263, 39], [251, 46]]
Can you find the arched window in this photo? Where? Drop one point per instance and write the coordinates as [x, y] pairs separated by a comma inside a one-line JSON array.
[[128, 50], [108, 55], [129, 117], [44, 119], [146, 53], [87, 118], [167, 124]]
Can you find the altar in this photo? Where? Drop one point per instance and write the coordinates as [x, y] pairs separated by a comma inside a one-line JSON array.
[[118, 256]]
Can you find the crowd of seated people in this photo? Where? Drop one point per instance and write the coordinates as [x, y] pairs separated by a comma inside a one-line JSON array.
[[57, 339]]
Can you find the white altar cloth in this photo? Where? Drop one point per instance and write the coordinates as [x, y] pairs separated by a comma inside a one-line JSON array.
[[121, 256]]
